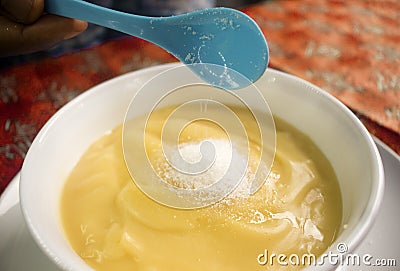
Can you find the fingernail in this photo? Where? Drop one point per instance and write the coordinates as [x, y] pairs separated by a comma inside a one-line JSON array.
[[71, 35], [78, 27]]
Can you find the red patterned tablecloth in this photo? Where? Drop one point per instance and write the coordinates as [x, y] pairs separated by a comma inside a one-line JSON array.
[[349, 48]]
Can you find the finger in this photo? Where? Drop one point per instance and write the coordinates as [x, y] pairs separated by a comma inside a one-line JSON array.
[[47, 31], [22, 11]]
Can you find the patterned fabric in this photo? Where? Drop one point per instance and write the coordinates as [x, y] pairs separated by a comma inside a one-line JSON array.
[[349, 48]]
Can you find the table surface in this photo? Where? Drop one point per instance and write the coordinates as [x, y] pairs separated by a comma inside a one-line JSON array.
[[351, 49]]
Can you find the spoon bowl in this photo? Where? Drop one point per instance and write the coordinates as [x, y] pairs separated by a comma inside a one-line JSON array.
[[224, 37]]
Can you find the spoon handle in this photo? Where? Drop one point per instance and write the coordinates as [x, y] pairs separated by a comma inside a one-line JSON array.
[[124, 22]]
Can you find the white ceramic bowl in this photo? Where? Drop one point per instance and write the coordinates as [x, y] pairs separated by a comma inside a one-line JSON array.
[[61, 142]]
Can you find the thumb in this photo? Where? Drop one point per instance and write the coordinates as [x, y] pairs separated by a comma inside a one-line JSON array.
[[22, 11]]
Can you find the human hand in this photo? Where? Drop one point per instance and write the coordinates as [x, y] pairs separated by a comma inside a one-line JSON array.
[[25, 28]]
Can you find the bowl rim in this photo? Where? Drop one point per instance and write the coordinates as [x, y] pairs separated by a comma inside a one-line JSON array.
[[371, 210], [357, 235]]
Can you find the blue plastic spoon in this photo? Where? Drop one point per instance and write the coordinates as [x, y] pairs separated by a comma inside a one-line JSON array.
[[225, 37]]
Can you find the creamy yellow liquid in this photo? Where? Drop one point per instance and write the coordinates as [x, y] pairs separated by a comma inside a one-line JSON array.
[[112, 225]]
